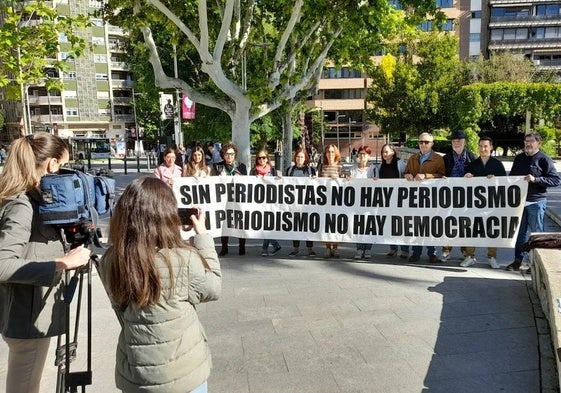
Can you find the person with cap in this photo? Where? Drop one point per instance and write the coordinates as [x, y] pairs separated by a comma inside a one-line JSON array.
[[424, 165], [456, 162]]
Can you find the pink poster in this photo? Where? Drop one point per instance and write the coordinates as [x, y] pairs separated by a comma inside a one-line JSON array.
[[188, 108]]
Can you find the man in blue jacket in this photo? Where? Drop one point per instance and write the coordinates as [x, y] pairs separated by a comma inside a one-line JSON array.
[[539, 171]]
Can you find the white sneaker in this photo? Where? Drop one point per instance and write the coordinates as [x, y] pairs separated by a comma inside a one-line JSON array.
[[445, 256], [367, 254], [493, 263], [358, 254], [469, 261]]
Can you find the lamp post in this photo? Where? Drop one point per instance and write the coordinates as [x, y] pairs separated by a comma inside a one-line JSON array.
[[137, 132], [337, 124], [351, 121]]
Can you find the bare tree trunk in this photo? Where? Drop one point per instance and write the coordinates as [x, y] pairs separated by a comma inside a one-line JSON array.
[[240, 131], [287, 134]]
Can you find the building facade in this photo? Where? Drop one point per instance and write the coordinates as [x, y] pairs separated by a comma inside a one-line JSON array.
[[97, 96]]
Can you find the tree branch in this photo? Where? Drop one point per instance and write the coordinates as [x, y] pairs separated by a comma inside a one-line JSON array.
[[294, 18], [224, 30]]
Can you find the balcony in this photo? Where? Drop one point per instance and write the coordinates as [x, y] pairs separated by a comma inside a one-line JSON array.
[[116, 83], [509, 2], [45, 100], [46, 118], [120, 65], [531, 43], [115, 30], [122, 100], [525, 21], [124, 118]]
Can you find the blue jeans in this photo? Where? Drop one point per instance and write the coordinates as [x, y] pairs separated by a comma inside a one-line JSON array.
[[417, 250], [266, 243], [531, 221], [402, 247]]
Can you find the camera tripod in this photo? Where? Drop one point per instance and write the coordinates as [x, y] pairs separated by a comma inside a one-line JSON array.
[[68, 381]]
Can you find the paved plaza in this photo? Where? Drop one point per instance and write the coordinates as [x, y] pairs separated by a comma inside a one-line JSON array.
[[338, 325]]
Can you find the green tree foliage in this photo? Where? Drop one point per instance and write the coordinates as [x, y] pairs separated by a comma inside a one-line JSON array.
[[503, 67], [412, 88], [502, 107], [29, 43], [247, 58]]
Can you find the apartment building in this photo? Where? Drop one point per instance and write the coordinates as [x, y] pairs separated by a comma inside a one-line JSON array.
[[97, 96], [530, 28]]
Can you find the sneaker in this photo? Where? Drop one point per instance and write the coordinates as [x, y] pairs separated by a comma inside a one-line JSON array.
[[391, 253], [223, 252], [367, 254], [293, 253], [358, 254], [493, 263], [328, 253], [312, 254], [264, 254], [404, 254], [469, 261], [275, 250], [514, 266], [335, 253], [445, 256]]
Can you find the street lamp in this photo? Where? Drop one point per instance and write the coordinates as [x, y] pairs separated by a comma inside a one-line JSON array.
[[351, 121], [337, 124], [137, 131]]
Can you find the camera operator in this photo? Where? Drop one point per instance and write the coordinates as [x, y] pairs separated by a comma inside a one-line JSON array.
[[32, 258]]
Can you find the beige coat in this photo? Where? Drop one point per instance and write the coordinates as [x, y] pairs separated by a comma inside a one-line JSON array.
[[163, 348]]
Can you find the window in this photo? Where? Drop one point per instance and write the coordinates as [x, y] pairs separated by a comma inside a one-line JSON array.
[[476, 15], [101, 77], [71, 111], [343, 94], [65, 56], [70, 94], [62, 37], [98, 40], [444, 3], [103, 95], [69, 75], [448, 25], [98, 58], [475, 37], [97, 22], [548, 9], [345, 72]]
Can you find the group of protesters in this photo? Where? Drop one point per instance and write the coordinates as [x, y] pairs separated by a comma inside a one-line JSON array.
[[537, 168]]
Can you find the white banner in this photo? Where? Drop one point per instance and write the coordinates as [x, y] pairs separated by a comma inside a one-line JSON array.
[[477, 212], [166, 106]]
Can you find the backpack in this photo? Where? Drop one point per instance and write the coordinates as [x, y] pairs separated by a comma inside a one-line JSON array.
[[71, 197]]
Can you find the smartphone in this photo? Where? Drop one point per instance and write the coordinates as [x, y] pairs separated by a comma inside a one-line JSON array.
[[186, 213]]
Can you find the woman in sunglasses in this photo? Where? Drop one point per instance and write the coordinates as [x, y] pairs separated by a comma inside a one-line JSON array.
[[264, 168]]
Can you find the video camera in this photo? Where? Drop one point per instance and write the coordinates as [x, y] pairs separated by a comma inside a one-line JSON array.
[[74, 200]]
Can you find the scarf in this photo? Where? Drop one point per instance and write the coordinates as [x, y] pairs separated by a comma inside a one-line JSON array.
[[263, 170]]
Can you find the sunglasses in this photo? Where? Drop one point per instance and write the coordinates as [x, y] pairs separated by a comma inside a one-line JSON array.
[[261, 158], [424, 142]]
